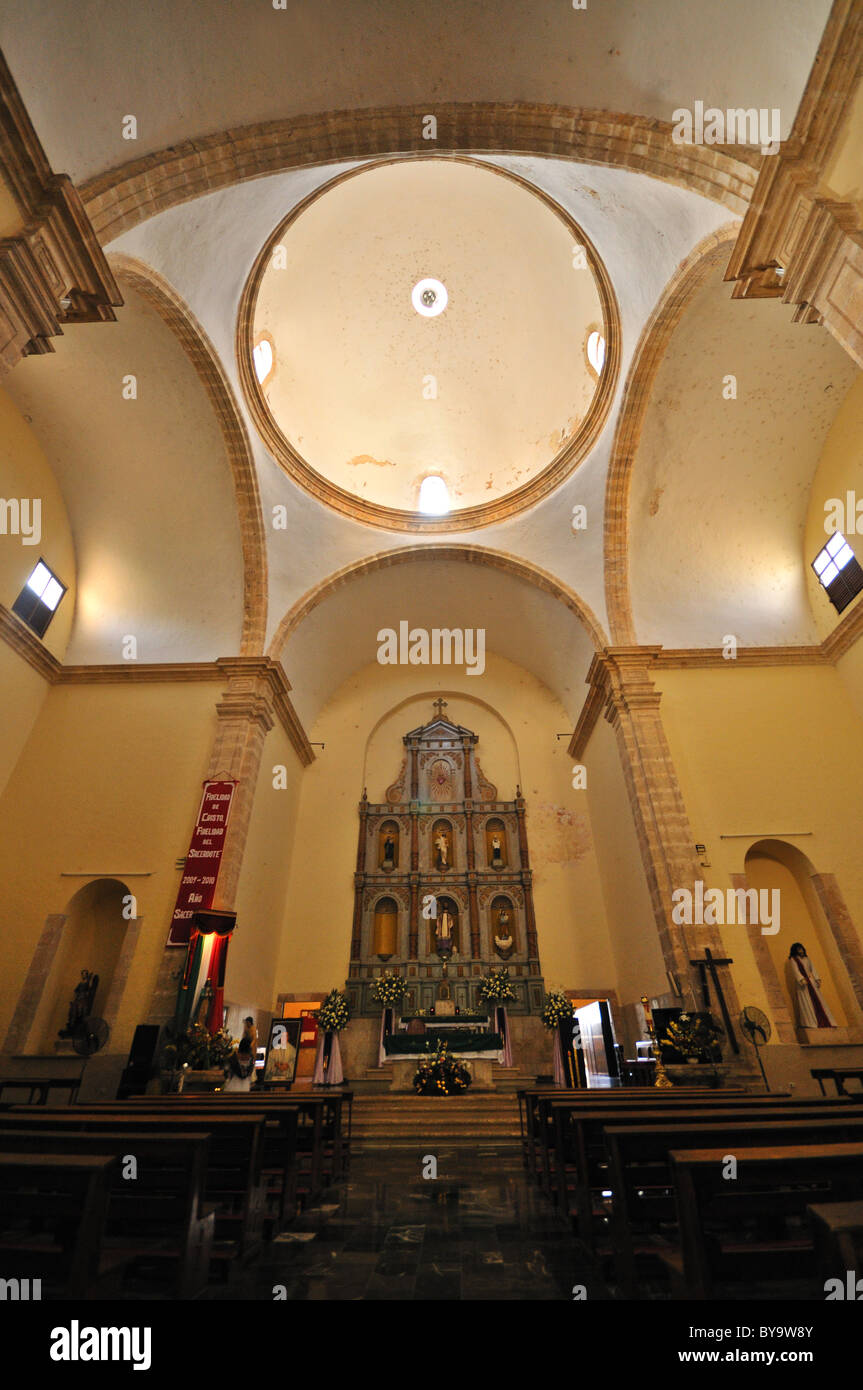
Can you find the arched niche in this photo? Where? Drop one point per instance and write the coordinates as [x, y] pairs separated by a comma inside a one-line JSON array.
[[92, 938], [385, 928], [444, 904], [502, 926], [388, 845], [773, 866], [495, 843], [442, 845]]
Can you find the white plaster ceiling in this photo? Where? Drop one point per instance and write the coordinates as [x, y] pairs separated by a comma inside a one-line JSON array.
[[721, 487], [148, 488], [522, 624], [186, 68], [642, 229], [375, 396]]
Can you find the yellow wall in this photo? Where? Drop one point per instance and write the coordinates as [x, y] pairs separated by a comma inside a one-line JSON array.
[[763, 752], [840, 470], [640, 967], [362, 727], [25, 473], [108, 784]]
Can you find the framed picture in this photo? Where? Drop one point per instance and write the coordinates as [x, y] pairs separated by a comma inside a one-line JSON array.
[[283, 1045]]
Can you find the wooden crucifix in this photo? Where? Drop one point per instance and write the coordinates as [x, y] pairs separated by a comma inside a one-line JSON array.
[[708, 965], [439, 706]]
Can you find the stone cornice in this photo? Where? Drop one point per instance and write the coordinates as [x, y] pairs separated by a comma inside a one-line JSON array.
[[53, 271], [790, 223], [621, 675], [260, 670], [19, 637]]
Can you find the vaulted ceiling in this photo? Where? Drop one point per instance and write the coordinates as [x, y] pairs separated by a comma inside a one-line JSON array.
[[156, 490]]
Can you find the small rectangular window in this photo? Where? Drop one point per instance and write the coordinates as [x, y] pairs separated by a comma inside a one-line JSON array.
[[839, 571], [39, 599]]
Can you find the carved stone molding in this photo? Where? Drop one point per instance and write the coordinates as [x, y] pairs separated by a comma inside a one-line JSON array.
[[52, 271], [815, 243]]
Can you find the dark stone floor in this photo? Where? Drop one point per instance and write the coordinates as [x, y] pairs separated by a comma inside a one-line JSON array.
[[478, 1231]]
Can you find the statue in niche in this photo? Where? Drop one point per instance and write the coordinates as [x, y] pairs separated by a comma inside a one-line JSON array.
[[81, 1006], [442, 846], [496, 857], [389, 852], [804, 984], [503, 940], [445, 933]]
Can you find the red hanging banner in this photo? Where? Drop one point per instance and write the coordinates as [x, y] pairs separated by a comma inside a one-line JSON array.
[[198, 884]]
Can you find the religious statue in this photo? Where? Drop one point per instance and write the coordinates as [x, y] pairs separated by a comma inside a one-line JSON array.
[[496, 857], [503, 936], [204, 1004], [443, 934], [442, 847], [81, 1006], [804, 984], [389, 852]]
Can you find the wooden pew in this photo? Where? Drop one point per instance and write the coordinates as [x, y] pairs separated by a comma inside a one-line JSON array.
[[52, 1221], [838, 1075], [279, 1163], [583, 1161], [773, 1181], [156, 1219], [837, 1234], [534, 1117], [38, 1089], [234, 1180], [640, 1176], [559, 1156]]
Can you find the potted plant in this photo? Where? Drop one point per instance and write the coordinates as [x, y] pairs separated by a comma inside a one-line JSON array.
[[496, 989], [557, 1017], [695, 1038]]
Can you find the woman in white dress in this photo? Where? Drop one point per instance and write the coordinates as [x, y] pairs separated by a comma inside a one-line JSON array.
[[240, 1068], [804, 984]]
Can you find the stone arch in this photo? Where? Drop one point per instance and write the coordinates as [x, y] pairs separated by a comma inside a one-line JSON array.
[[124, 196], [812, 911], [97, 924], [469, 554], [656, 335], [176, 314]]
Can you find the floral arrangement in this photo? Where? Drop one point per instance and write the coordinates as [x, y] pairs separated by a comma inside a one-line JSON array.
[[388, 990], [334, 1014], [555, 1008], [438, 1074], [693, 1037], [496, 987], [198, 1049]]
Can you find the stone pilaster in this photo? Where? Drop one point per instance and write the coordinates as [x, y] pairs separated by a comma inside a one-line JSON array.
[[665, 838]]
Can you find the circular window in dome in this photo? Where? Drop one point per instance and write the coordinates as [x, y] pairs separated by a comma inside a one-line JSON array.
[[429, 319]]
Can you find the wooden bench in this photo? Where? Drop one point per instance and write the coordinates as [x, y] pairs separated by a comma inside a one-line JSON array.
[[53, 1208], [279, 1164], [643, 1211], [38, 1088], [773, 1184], [560, 1157], [582, 1159], [156, 1219], [234, 1181], [838, 1075], [837, 1234]]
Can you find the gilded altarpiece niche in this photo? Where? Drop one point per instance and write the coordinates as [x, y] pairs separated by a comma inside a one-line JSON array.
[[442, 859]]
